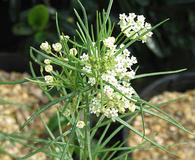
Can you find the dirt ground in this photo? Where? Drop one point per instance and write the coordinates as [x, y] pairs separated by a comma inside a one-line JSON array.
[[17, 102], [180, 143]]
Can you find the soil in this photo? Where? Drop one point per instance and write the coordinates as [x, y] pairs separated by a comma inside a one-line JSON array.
[[17, 103], [179, 142]]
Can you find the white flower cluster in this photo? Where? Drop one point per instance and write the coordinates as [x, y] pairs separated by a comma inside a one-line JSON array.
[[116, 73], [134, 25], [45, 46]]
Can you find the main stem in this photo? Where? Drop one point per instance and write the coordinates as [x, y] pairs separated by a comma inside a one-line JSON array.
[[87, 150]]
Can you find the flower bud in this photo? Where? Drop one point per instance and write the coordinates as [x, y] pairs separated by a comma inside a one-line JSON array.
[[73, 51], [64, 37], [45, 47], [109, 42], [48, 79], [57, 47], [80, 124], [48, 68], [47, 61]]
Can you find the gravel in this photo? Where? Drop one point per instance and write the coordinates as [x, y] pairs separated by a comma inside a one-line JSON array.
[[177, 141]]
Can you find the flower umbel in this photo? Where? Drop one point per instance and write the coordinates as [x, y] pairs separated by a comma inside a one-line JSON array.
[[134, 25], [116, 73]]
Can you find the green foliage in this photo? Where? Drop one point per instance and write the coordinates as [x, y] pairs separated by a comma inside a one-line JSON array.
[[34, 21], [22, 29], [38, 17]]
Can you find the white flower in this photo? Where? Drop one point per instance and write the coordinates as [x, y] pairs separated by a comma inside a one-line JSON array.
[[92, 81], [64, 37], [87, 69], [126, 52], [48, 79], [148, 35], [108, 91], [111, 113], [130, 75], [110, 78], [47, 61], [57, 47], [132, 107], [140, 21], [133, 60], [126, 84], [148, 26], [84, 57], [131, 17], [109, 42], [122, 16], [45, 47], [67, 113], [95, 106], [48, 68], [80, 124], [73, 51]]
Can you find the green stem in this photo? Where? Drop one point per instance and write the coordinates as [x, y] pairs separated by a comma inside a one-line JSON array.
[[87, 150]]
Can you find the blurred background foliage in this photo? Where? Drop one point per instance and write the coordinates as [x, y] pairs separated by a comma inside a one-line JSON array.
[[25, 23]]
